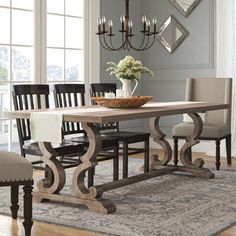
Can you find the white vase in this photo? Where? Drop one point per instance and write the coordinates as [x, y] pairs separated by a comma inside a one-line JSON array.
[[126, 87]]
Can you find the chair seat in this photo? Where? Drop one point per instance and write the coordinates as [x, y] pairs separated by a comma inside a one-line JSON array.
[[14, 167], [209, 130], [63, 149], [107, 142], [126, 136]]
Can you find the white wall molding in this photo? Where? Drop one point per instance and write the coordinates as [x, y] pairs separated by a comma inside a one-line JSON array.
[[91, 44], [40, 42], [210, 64], [225, 38], [94, 6]]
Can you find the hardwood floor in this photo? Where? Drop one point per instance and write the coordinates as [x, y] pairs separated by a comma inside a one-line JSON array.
[[10, 227]]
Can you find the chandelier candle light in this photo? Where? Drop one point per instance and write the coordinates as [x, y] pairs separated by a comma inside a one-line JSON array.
[[105, 32]]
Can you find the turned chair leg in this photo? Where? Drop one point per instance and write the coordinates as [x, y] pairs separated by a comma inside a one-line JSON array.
[[176, 151], [14, 200], [125, 160], [146, 155], [28, 209], [228, 149], [217, 155], [116, 163]]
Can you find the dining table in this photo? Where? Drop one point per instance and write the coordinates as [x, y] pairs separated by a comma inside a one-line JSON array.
[[89, 117]]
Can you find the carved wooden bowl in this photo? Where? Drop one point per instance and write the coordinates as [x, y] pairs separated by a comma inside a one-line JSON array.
[[133, 102]]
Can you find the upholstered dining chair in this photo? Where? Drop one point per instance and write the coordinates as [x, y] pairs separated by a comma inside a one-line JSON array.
[[125, 137], [216, 124], [73, 95], [16, 171], [36, 96]]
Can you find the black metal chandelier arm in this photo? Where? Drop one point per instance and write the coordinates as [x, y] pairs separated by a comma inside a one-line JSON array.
[[147, 43], [119, 48], [105, 45], [107, 48], [153, 41], [141, 45], [124, 41], [146, 47], [127, 45]]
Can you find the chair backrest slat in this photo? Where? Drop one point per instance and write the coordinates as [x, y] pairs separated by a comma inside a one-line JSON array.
[[31, 101]]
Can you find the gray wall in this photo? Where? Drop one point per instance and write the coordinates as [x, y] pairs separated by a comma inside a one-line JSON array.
[[195, 57]]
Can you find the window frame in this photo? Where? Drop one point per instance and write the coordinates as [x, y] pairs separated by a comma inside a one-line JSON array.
[[91, 44]]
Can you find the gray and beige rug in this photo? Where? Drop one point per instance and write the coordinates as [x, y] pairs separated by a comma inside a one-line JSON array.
[[173, 205]]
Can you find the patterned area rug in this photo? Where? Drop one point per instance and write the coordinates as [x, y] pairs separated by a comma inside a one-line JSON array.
[[171, 205]]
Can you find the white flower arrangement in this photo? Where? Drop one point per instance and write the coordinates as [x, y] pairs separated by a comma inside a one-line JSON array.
[[128, 68]]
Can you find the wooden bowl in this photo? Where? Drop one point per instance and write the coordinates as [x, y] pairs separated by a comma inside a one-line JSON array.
[[133, 102]]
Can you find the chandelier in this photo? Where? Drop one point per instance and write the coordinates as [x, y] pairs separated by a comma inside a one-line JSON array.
[[105, 32]]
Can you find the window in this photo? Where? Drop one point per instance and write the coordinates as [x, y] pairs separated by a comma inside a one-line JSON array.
[[65, 54], [16, 58], [25, 57]]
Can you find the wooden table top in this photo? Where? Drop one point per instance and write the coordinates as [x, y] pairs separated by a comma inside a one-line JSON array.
[[98, 114]]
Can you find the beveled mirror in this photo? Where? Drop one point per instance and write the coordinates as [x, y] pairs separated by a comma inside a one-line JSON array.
[[171, 34], [185, 6]]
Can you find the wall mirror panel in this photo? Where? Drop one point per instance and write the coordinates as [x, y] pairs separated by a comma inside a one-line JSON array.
[[172, 34], [185, 6]]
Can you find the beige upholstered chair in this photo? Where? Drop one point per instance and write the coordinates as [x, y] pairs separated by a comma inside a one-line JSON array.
[[15, 170], [216, 124]]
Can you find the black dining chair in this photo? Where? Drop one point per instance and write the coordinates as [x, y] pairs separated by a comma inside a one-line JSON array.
[[73, 95], [125, 137], [36, 96]]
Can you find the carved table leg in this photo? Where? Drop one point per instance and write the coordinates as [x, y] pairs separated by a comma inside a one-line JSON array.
[[159, 138], [196, 167], [59, 177], [91, 197]]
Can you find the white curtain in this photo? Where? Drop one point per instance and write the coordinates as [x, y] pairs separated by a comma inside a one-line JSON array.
[[226, 57], [233, 69]]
